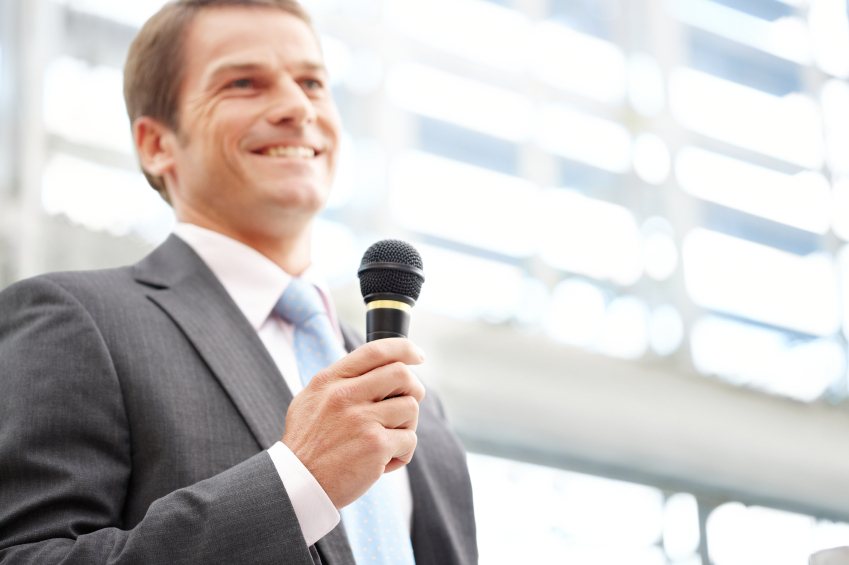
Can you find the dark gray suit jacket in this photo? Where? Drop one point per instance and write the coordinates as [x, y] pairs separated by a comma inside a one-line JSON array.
[[135, 408]]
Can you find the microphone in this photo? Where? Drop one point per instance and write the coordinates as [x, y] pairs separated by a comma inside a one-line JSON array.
[[391, 278]]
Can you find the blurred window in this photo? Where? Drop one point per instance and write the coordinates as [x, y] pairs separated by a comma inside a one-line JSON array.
[[788, 127], [567, 132], [802, 200], [766, 358], [465, 203], [482, 32], [85, 104], [459, 100], [741, 535], [105, 199], [742, 64], [765, 9], [599, 73], [589, 237], [761, 283], [530, 513], [595, 18], [454, 142], [760, 230], [591, 180]]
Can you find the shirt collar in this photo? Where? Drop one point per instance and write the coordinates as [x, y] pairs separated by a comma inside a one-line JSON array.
[[253, 281]]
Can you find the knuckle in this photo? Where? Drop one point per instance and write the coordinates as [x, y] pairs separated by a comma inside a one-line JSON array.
[[417, 387], [359, 423], [399, 370], [412, 439], [341, 395], [405, 372], [332, 372], [411, 404], [319, 379], [358, 419], [373, 351], [373, 438]]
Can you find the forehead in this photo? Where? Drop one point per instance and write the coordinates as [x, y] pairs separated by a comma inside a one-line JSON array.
[[237, 35]]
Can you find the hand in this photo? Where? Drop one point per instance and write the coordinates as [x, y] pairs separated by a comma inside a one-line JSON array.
[[357, 419]]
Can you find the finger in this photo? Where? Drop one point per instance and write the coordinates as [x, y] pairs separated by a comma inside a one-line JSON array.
[[401, 412], [393, 465], [376, 354], [386, 382], [402, 445]]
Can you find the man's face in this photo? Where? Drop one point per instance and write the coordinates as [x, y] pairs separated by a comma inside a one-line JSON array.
[[259, 132]]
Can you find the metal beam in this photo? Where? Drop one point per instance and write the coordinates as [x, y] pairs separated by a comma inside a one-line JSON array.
[[530, 398]]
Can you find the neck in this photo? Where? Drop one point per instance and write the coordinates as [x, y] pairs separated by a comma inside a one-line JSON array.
[[289, 251]]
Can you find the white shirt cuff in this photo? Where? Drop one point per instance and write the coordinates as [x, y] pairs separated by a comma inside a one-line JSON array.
[[315, 511]]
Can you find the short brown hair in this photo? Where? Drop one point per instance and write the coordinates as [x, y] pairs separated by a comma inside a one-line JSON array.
[[154, 70]]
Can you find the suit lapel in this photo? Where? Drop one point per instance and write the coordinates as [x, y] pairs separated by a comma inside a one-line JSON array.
[[184, 287]]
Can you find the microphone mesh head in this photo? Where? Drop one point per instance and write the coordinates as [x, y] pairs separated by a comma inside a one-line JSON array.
[[391, 280]]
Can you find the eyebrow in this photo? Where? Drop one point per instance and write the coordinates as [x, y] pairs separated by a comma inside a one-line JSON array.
[[237, 66]]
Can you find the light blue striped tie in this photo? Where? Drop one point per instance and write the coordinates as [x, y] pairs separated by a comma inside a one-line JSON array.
[[374, 523]]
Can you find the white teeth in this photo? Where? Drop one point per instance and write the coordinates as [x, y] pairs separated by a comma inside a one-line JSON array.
[[288, 151]]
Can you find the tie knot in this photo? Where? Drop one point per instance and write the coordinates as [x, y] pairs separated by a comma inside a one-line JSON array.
[[299, 302]]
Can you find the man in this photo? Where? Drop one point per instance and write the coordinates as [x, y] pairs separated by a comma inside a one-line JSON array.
[[142, 408]]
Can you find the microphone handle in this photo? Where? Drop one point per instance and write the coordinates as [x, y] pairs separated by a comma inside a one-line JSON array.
[[387, 318]]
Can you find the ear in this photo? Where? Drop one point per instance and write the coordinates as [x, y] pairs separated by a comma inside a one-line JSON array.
[[155, 143]]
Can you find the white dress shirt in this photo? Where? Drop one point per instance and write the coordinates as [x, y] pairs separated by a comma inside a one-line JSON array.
[[255, 284]]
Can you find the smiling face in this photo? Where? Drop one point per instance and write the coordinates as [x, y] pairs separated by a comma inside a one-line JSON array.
[[258, 133]]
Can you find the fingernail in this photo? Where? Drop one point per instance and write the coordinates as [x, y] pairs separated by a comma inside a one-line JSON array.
[[421, 353]]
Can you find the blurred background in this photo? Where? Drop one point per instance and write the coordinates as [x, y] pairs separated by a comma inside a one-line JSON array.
[[632, 215]]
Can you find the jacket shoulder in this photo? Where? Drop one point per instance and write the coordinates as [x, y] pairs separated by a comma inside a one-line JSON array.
[[83, 286]]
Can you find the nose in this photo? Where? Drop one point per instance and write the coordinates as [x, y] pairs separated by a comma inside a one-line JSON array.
[[291, 105]]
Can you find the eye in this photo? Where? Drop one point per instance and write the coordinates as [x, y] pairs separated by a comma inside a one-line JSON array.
[[312, 84], [241, 83]]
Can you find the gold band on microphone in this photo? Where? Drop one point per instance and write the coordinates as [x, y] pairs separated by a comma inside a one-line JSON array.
[[389, 304]]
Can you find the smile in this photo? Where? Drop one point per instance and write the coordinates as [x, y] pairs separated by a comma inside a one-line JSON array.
[[289, 151]]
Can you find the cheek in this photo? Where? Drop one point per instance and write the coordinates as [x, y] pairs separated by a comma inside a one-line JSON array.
[[219, 130], [331, 123], [333, 158], [220, 138]]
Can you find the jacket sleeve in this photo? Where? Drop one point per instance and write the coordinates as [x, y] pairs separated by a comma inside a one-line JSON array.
[[65, 459]]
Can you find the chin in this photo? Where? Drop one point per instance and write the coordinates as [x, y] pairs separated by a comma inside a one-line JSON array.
[[307, 197]]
